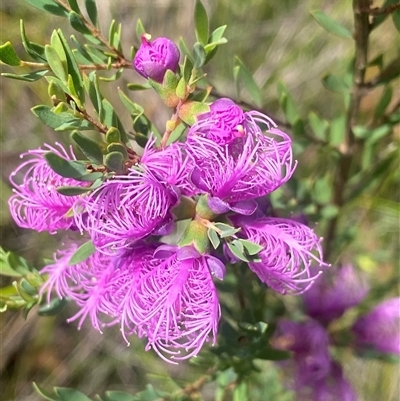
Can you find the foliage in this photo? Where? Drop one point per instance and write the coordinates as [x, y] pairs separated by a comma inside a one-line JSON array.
[[349, 154]]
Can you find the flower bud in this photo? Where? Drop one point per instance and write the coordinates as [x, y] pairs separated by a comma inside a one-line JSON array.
[[154, 58]]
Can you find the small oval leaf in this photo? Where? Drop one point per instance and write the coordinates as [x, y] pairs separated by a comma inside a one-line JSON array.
[[8, 55], [82, 253], [330, 25]]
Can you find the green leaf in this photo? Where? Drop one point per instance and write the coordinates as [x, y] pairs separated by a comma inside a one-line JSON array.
[[240, 392], [59, 121], [118, 147], [329, 212], [111, 32], [186, 69], [330, 25], [379, 18], [74, 5], [378, 134], [338, 127], [90, 148], [271, 354], [336, 84], [250, 247], [97, 55], [110, 119], [49, 6], [91, 87], [189, 111], [119, 396], [396, 19], [55, 306], [133, 108], [33, 49], [235, 249], [55, 63], [65, 168], [70, 394], [201, 23], [287, 103], [82, 253], [76, 22], [138, 87], [244, 75], [322, 191], [113, 77], [32, 77], [92, 11], [115, 161], [140, 30], [81, 52], [13, 265], [45, 394], [318, 125], [213, 237], [72, 191], [199, 55], [8, 55], [384, 102], [73, 69], [184, 49], [58, 47], [113, 135]]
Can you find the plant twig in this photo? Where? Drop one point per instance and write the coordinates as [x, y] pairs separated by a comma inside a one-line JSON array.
[[349, 145], [382, 10], [83, 67], [95, 32], [100, 127]]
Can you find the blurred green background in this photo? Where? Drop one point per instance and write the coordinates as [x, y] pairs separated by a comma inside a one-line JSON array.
[[278, 41]]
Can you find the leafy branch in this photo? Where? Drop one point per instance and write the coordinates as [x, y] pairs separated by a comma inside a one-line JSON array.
[[349, 145]]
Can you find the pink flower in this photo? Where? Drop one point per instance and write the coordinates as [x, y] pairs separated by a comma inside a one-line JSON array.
[[126, 209], [223, 123], [170, 165], [176, 304], [380, 328], [289, 249], [334, 292], [237, 162], [36, 204], [154, 58]]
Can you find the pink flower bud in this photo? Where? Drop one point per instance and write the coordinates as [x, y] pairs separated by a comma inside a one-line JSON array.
[[154, 58]]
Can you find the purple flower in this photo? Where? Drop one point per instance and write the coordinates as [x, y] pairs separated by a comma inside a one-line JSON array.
[[126, 209], [154, 58], [170, 165], [36, 203], [223, 123], [165, 294], [101, 285], [333, 387], [289, 249], [301, 337], [334, 292], [380, 328], [175, 304], [244, 163], [309, 342]]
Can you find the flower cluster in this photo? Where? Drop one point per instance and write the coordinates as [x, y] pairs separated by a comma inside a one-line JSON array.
[[221, 173], [313, 372]]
